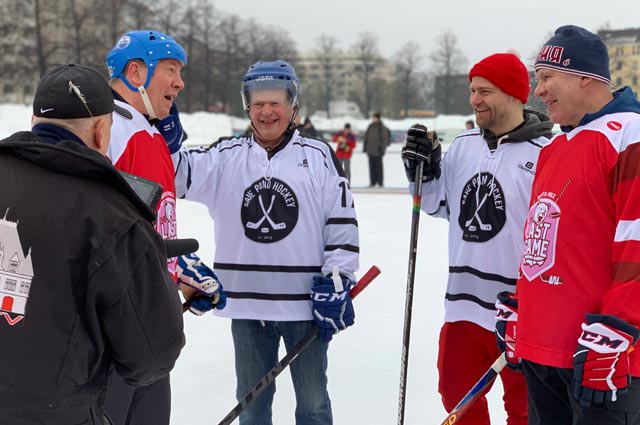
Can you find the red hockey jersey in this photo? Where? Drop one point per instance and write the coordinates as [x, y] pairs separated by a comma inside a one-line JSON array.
[[582, 239], [138, 148]]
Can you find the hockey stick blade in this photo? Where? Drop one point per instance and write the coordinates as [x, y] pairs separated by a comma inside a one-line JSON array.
[[475, 391], [270, 377]]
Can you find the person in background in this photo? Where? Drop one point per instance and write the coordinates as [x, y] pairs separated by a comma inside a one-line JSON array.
[[308, 131], [578, 320], [376, 139], [469, 125], [295, 234], [346, 143], [84, 272], [482, 186], [145, 70]]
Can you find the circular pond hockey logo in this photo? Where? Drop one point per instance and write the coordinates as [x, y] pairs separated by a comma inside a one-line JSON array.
[[482, 208], [269, 210]]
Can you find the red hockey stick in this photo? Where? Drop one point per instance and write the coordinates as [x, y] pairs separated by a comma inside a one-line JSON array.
[[270, 377]]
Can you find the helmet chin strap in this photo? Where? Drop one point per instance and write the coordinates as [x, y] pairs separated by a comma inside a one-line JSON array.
[[292, 123], [147, 103]]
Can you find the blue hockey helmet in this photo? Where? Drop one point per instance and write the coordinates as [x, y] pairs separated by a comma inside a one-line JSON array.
[[146, 45], [270, 75]]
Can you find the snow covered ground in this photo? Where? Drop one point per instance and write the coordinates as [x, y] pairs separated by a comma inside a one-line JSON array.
[[364, 361]]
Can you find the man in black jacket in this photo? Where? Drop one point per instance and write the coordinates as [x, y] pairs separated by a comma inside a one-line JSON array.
[[83, 280]]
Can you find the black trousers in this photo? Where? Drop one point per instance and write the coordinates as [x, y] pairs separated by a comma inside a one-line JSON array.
[[376, 175], [551, 400], [127, 405]]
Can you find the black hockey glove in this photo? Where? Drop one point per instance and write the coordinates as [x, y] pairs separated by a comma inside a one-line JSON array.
[[421, 146]]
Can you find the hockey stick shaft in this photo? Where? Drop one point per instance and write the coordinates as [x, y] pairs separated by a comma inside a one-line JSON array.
[[411, 272], [475, 391], [270, 377]]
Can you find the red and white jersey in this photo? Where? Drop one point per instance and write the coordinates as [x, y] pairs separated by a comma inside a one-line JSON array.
[[582, 238], [138, 148]]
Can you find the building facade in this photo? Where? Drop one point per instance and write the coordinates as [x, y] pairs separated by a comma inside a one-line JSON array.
[[624, 57], [340, 73]]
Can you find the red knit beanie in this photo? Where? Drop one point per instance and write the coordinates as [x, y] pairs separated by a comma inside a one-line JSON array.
[[507, 72]]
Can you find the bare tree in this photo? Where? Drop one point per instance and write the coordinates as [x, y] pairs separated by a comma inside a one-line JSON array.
[[141, 14], [407, 61], [80, 13], [268, 43], [327, 48], [112, 11], [46, 14], [167, 15], [191, 25], [220, 48], [366, 51], [208, 38], [448, 61], [231, 65]]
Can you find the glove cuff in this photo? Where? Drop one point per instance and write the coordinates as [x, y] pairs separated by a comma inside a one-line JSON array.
[[508, 298], [615, 323]]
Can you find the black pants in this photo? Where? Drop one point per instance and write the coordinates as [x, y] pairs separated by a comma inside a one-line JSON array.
[[375, 170], [551, 400], [68, 415], [127, 405]]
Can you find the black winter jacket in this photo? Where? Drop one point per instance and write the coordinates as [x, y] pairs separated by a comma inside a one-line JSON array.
[[84, 285]]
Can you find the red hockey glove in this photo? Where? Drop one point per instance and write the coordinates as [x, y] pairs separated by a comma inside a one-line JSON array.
[[506, 320], [601, 361]]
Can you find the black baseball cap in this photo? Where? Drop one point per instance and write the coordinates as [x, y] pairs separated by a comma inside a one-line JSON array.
[[74, 91]]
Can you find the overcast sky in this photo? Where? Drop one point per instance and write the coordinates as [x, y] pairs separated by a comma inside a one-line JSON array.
[[482, 28]]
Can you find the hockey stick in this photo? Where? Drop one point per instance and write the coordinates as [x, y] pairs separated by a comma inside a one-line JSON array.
[[411, 272], [276, 226], [270, 377], [475, 391], [255, 225]]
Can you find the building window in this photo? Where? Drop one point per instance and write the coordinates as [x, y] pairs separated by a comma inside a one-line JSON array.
[[10, 284], [618, 82], [635, 80], [24, 287], [8, 89], [619, 66]]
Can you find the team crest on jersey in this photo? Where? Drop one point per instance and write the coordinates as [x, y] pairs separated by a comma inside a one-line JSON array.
[[166, 224], [16, 273], [269, 210], [540, 234], [482, 208]]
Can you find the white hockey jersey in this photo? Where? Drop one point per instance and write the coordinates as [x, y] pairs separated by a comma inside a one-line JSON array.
[[485, 196], [278, 222]]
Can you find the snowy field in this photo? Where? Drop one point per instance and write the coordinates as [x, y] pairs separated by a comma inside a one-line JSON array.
[[364, 361]]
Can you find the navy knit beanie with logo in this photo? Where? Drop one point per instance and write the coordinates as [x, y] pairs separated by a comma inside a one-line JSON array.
[[507, 72], [575, 50]]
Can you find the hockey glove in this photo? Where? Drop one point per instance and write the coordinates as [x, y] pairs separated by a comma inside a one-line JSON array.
[[193, 272], [171, 129], [332, 307], [421, 146], [506, 320], [601, 361]]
